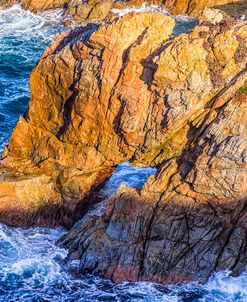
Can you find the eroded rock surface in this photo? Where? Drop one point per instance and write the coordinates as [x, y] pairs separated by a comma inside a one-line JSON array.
[[87, 103], [129, 90], [187, 222]]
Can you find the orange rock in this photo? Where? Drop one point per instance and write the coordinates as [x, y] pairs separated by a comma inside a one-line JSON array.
[[187, 222], [127, 91], [41, 5], [193, 7]]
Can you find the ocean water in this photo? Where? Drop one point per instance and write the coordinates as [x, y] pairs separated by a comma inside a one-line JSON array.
[[23, 38], [32, 266]]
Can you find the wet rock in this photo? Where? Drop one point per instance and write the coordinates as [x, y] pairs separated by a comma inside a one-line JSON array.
[[97, 11]]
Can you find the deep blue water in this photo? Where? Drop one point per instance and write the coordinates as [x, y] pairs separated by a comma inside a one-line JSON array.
[[31, 264]]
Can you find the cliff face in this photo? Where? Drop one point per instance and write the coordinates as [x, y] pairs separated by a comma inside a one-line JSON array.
[[129, 90], [88, 112], [189, 220]]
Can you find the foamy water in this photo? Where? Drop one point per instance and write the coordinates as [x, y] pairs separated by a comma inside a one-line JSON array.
[[184, 23], [32, 266], [23, 38]]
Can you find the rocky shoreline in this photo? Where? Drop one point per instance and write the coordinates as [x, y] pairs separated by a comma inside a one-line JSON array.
[[98, 11], [129, 89]]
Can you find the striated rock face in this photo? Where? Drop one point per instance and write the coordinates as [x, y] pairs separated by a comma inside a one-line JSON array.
[[88, 112], [129, 90], [187, 222]]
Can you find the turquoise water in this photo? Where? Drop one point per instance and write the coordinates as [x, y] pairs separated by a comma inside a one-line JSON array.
[[32, 266]]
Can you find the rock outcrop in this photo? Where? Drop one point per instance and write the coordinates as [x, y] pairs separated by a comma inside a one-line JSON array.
[[96, 10], [129, 90], [35, 5], [235, 9], [41, 5], [88, 112], [7, 3], [193, 7], [189, 220]]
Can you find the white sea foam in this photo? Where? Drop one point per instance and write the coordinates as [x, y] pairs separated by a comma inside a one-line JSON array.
[[124, 174], [184, 23], [23, 38], [143, 8]]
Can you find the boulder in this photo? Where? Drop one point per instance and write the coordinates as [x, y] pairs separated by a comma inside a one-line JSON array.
[[8, 3]]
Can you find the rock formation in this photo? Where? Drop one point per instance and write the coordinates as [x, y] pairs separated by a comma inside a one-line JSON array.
[[88, 112], [41, 5], [189, 220], [35, 5], [99, 10], [129, 90], [235, 9], [95, 10], [193, 7]]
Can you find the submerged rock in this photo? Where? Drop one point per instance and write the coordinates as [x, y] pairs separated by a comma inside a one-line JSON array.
[[129, 90]]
